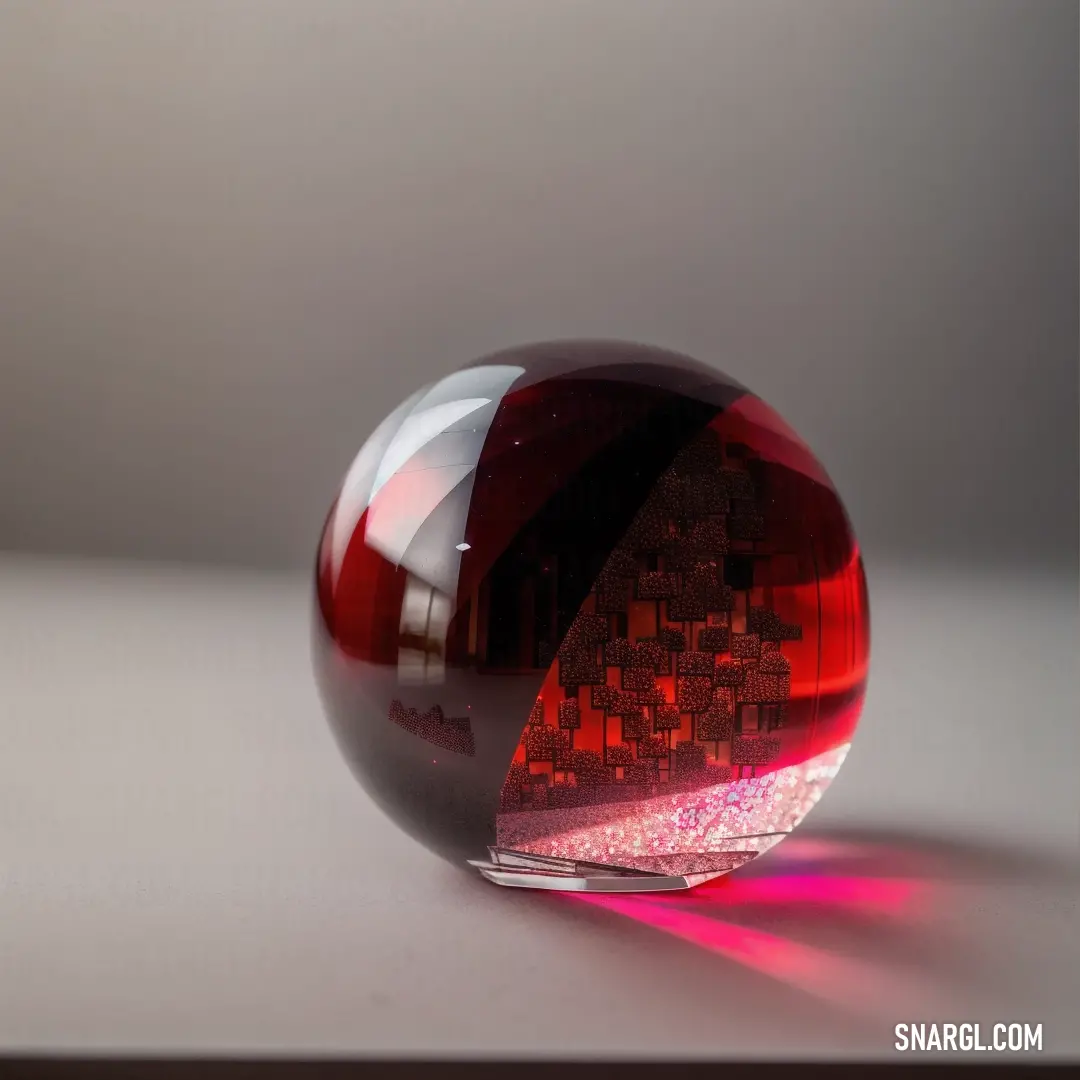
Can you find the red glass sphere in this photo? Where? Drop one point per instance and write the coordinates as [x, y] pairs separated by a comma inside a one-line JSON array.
[[589, 615]]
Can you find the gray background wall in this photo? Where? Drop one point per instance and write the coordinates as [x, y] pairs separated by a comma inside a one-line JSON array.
[[234, 234]]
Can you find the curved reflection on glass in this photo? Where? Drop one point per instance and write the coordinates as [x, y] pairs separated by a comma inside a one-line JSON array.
[[591, 616]]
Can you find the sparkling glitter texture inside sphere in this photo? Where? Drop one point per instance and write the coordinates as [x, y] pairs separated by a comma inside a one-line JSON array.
[[591, 616]]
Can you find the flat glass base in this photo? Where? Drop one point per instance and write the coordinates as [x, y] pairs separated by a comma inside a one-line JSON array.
[[520, 870]]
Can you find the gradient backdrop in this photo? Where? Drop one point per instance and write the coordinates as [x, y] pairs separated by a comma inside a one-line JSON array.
[[234, 234]]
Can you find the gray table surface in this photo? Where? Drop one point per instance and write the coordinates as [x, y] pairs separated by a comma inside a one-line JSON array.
[[187, 866]]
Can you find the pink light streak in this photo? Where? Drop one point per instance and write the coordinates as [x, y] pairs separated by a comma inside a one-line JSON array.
[[852, 984], [875, 896]]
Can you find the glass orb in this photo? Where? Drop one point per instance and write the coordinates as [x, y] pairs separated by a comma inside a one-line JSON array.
[[590, 615]]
